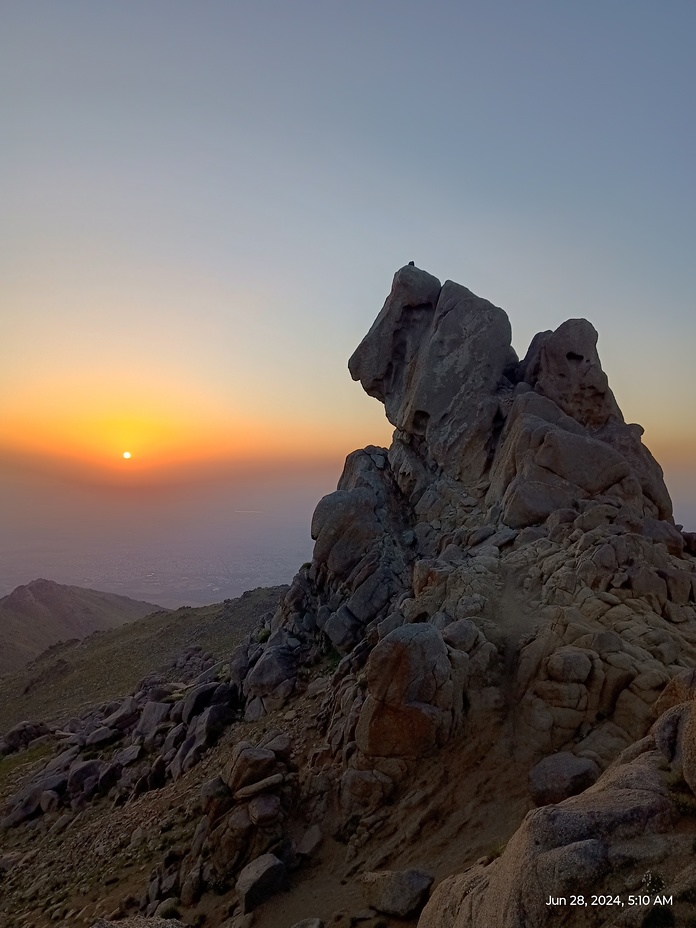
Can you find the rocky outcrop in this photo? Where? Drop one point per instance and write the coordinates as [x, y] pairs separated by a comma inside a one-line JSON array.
[[510, 486], [558, 849], [511, 560], [141, 742], [502, 594]]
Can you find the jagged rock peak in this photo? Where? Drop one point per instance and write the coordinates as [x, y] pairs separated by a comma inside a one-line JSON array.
[[435, 357], [544, 432]]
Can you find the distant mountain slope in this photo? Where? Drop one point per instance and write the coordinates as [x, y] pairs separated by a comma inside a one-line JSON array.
[[37, 615], [67, 677]]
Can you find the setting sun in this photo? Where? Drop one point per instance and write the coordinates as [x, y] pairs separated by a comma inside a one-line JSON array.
[[126, 454]]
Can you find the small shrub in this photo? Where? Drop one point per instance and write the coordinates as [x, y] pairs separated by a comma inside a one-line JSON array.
[[497, 850]]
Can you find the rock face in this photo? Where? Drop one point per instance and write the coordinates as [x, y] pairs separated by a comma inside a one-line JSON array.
[[565, 847], [441, 361], [435, 357]]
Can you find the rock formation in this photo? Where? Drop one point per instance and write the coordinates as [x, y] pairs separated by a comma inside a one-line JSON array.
[[511, 559], [500, 613], [517, 519]]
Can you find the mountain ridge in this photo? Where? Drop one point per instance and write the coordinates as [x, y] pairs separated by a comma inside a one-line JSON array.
[[41, 613]]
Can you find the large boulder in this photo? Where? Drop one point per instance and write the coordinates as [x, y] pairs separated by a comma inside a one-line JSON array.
[[559, 776], [249, 765], [415, 693], [273, 674], [154, 715], [259, 880], [398, 892], [435, 357], [22, 735]]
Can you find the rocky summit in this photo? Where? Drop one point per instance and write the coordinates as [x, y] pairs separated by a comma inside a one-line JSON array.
[[474, 708]]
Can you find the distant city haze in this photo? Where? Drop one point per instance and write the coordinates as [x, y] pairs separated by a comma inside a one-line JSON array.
[[184, 545]]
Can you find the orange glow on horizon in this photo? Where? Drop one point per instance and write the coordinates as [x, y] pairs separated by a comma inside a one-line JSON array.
[[80, 424]]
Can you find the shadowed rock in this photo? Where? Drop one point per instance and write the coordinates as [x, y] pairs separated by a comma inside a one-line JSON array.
[[435, 358]]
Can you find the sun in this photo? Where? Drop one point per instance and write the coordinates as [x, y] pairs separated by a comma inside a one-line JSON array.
[[126, 454]]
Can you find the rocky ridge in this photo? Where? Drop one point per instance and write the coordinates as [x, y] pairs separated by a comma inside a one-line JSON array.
[[504, 588]]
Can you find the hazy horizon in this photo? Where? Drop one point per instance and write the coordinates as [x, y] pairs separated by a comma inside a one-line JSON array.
[[203, 209], [183, 544]]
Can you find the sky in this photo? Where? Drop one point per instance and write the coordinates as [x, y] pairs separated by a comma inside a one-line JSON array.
[[203, 205]]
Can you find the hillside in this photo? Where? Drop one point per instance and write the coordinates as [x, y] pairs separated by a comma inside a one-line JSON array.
[[68, 677], [38, 614]]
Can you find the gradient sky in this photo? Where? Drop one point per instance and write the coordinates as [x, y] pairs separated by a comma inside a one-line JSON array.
[[203, 204]]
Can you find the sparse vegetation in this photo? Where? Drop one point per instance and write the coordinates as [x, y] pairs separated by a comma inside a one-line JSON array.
[[15, 764], [496, 850], [66, 680], [653, 882]]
